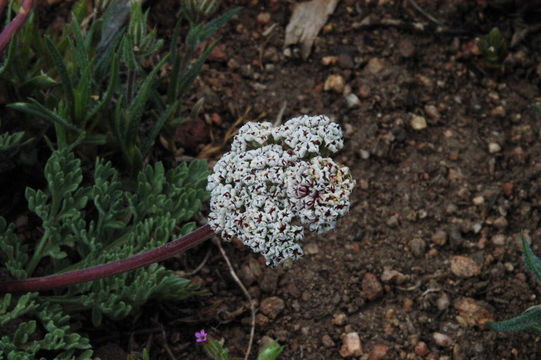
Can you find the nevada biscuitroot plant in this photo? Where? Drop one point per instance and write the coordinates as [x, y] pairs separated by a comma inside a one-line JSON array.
[[275, 182]]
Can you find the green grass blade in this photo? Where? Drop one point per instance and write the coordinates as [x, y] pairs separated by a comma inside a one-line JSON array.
[[137, 106], [81, 51], [188, 78], [532, 262], [34, 108], [156, 128], [530, 319], [67, 83], [111, 88]]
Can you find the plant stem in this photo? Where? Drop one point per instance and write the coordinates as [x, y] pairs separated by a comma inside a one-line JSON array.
[[101, 271], [15, 24], [38, 254]]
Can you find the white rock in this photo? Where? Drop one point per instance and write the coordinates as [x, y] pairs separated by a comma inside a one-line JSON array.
[[494, 148], [351, 345], [418, 122], [478, 200], [352, 100], [442, 339]]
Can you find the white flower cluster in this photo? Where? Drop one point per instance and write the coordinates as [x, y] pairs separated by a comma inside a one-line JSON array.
[[276, 181]]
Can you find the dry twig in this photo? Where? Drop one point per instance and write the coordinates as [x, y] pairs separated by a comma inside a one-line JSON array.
[[425, 14], [218, 243]]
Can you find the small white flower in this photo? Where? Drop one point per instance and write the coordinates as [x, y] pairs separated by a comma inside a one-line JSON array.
[[276, 181]]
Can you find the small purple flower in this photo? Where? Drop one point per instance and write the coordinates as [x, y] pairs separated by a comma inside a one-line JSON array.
[[201, 336]]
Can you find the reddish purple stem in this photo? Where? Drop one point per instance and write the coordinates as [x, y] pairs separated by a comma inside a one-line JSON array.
[[16, 23], [101, 271]]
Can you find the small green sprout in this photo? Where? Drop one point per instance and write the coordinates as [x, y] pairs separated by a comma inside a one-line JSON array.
[[216, 351], [493, 48], [270, 351]]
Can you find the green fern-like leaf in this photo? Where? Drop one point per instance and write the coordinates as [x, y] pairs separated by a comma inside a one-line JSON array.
[[13, 252], [107, 220], [21, 337]]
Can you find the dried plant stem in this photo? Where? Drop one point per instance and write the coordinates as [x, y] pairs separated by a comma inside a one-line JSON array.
[[218, 243], [101, 271], [16, 23], [425, 14]]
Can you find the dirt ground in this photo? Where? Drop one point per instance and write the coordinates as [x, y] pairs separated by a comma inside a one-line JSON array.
[[446, 154]]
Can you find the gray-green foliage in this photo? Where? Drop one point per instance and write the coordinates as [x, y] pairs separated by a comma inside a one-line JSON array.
[[30, 326], [100, 92], [98, 223], [531, 318]]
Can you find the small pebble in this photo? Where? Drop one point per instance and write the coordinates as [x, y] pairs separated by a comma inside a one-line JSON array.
[[451, 208], [439, 237], [498, 111], [272, 306], [494, 148], [478, 200], [364, 91], [375, 65], [443, 302], [433, 112], [334, 83], [379, 351], [418, 122], [406, 48], [328, 60], [418, 247], [371, 287], [263, 18], [339, 319], [465, 267], [389, 275], [442, 339], [421, 348], [364, 184], [507, 189], [364, 154], [352, 100], [311, 249], [261, 320], [351, 345], [498, 240], [326, 340], [472, 312], [501, 223], [393, 221]]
